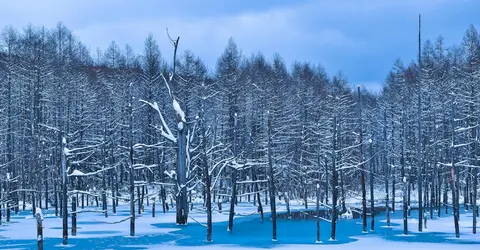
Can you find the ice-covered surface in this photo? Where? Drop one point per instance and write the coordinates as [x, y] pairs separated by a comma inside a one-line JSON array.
[[248, 232]]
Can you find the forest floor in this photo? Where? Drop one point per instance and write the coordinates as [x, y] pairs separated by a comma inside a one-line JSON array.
[[249, 232]]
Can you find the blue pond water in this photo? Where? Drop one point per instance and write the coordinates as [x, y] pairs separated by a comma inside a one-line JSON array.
[[247, 231]]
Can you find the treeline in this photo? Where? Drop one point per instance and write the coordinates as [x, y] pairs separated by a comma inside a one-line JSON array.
[[255, 130]]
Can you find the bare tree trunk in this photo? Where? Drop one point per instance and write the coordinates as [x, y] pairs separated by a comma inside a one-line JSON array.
[[181, 178], [342, 181], [372, 195], [439, 189], [404, 179], [74, 216], [114, 177], [163, 198], [64, 191], [55, 196], [104, 195], [434, 169], [362, 165], [220, 198], [39, 219], [474, 173], [419, 117], [445, 196], [474, 200], [139, 195], [334, 180], [146, 194], [207, 187], [143, 199], [272, 181], [455, 175], [116, 187], [257, 195], [1, 205], [386, 167], [132, 195], [153, 207], [46, 189], [132, 185], [326, 180], [7, 198], [318, 212], [234, 178], [392, 166], [61, 204]]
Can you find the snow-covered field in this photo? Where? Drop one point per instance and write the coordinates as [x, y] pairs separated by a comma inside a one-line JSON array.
[[95, 232]]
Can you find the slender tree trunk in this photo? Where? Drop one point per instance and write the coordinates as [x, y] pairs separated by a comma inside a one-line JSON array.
[[7, 197], [114, 180], [143, 199], [434, 169], [409, 188], [362, 165], [386, 167], [318, 212], [209, 199], [266, 197], [232, 200], [34, 204], [39, 193], [404, 178], [257, 195], [445, 196], [163, 198], [55, 197], [131, 180], [342, 181], [234, 178], [74, 216], [64, 191], [474, 172], [104, 195], [474, 200], [326, 180], [439, 190], [392, 165], [61, 204], [272, 181], [455, 174], [334, 180], [287, 204], [116, 187], [372, 195], [219, 198], [419, 127], [39, 219], [46, 189], [1, 205], [146, 193], [139, 200], [153, 207], [132, 195]]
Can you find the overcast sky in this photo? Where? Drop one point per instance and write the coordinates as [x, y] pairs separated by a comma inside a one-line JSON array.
[[362, 38]]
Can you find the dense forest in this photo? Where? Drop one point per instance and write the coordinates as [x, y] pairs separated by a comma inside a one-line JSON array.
[[104, 128]]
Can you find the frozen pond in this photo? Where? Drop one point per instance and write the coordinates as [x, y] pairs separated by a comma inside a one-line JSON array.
[[248, 231]]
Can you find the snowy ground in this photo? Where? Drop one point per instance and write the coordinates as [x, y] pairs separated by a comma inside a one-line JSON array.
[[248, 232]]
